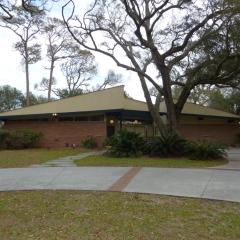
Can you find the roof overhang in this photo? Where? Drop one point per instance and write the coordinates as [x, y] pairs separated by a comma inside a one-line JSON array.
[[63, 114]]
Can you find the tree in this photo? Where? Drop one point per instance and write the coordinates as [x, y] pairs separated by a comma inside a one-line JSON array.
[[199, 95], [30, 6], [26, 26], [225, 99], [65, 92], [34, 100], [58, 42], [78, 71], [179, 47], [111, 79], [10, 98]]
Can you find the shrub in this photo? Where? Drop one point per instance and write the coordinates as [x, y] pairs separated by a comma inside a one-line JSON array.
[[21, 139], [4, 135], [89, 142], [203, 149], [238, 137], [125, 144], [165, 146]]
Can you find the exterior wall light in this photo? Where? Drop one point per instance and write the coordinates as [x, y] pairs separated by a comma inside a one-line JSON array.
[[135, 122], [54, 114], [111, 121], [2, 123]]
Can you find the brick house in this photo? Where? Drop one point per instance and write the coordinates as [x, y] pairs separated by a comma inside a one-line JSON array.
[[102, 113]]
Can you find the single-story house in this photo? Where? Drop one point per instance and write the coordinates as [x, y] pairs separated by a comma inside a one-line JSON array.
[[102, 113]]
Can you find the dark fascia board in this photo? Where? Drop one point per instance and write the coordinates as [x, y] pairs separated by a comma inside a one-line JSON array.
[[118, 112], [147, 114], [210, 116], [68, 114], [133, 114], [121, 113]]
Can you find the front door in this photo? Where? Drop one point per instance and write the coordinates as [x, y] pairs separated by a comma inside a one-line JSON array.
[[110, 131]]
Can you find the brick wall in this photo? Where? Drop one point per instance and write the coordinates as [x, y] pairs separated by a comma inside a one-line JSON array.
[[225, 133], [58, 134]]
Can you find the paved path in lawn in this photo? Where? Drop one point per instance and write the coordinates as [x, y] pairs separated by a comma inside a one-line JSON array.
[[67, 161], [234, 160], [201, 183]]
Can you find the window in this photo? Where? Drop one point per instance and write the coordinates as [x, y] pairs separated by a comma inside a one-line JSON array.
[[96, 118], [66, 119], [81, 119]]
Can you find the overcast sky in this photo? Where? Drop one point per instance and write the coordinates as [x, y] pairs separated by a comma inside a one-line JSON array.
[[12, 72]]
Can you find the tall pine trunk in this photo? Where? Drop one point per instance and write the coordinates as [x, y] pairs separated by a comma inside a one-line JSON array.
[[50, 80], [27, 77]]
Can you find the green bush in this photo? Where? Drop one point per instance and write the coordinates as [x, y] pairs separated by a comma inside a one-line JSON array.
[[238, 137], [4, 135], [125, 144], [203, 150], [21, 139], [168, 146], [174, 145], [89, 142]]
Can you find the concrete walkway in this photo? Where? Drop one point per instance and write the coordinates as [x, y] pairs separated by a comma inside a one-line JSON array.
[[200, 183], [233, 155], [67, 161]]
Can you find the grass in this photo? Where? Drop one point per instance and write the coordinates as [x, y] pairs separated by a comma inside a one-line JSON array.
[[24, 158], [148, 162], [114, 216]]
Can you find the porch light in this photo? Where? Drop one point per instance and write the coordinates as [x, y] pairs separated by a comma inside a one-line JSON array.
[[2, 123], [135, 122], [54, 114], [112, 121]]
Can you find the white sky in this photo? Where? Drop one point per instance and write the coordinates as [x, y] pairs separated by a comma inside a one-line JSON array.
[[12, 72]]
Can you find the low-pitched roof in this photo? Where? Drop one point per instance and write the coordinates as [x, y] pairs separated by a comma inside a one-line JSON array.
[[104, 100]]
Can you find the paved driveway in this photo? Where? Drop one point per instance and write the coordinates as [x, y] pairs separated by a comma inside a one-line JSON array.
[[202, 183]]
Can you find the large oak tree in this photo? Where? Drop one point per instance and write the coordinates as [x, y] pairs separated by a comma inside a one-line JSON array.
[[171, 36]]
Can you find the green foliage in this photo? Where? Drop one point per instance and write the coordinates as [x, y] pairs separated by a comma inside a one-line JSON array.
[[89, 142], [33, 51], [171, 145], [4, 135], [10, 98], [204, 150], [125, 144], [226, 100], [65, 93], [34, 99], [175, 146], [19, 139]]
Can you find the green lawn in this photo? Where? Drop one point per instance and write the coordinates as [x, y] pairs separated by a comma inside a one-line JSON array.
[[148, 162], [24, 158], [56, 215]]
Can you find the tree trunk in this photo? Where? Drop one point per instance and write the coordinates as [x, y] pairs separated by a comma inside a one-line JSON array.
[[27, 78], [154, 111], [167, 91], [170, 106], [182, 99], [50, 80]]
